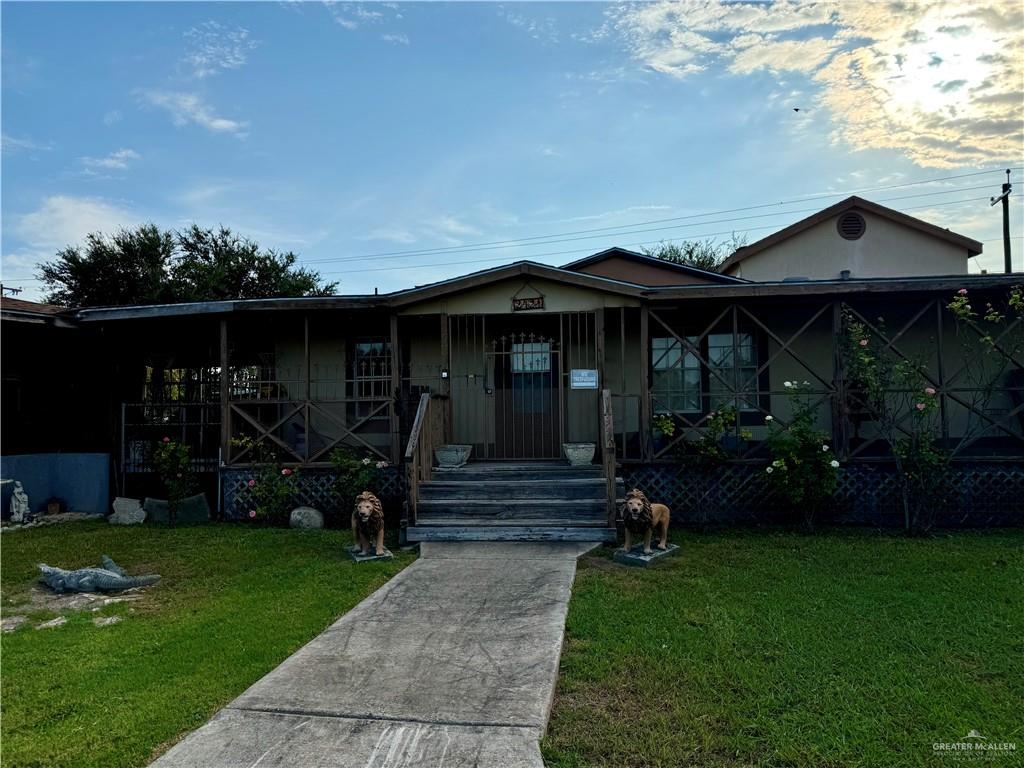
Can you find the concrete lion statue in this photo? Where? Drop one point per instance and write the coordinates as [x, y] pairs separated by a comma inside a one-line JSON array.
[[640, 517], [368, 523]]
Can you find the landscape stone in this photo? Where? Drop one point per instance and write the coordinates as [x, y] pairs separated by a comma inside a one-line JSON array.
[[58, 622], [105, 621], [636, 557], [306, 517], [127, 512], [11, 623]]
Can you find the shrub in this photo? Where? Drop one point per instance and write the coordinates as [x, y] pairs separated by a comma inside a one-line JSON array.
[[173, 463], [271, 494], [354, 474]]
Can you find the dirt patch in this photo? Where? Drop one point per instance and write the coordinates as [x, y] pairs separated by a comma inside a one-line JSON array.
[[41, 598]]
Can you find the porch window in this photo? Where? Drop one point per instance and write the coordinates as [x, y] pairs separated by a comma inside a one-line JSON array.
[[724, 360], [677, 385], [531, 376], [531, 357], [371, 375]]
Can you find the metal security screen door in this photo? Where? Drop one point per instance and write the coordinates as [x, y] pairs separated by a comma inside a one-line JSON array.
[[525, 396]]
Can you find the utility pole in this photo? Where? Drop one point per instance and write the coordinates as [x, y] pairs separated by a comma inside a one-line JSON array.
[[12, 291], [1005, 198]]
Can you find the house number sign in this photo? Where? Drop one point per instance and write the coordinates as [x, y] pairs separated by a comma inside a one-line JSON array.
[[583, 378], [527, 302]]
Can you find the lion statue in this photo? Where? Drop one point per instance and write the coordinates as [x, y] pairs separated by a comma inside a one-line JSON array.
[[368, 523], [639, 516]]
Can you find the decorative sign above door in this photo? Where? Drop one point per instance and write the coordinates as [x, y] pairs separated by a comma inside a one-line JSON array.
[[527, 298]]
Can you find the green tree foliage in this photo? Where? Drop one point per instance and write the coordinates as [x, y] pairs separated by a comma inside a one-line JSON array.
[[703, 254], [128, 267], [146, 265]]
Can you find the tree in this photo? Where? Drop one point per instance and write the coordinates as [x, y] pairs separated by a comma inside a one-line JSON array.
[[146, 265], [128, 267], [222, 265], [703, 254]]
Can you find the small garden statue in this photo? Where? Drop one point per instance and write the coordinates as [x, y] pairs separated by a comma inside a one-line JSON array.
[[368, 523], [20, 512], [639, 516], [108, 578]]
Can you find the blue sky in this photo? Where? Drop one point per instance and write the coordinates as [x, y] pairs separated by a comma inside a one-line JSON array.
[[351, 132]]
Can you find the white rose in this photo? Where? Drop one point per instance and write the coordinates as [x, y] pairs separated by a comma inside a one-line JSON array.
[[366, 461], [769, 418], [824, 448], [769, 470], [834, 464], [787, 383]]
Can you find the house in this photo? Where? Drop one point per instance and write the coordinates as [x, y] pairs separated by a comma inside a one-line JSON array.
[[520, 359], [854, 238]]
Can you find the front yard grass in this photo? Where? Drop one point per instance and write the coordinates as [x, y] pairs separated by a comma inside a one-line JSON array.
[[846, 648], [233, 603]]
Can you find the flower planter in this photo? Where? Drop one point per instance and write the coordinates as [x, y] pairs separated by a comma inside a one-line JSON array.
[[579, 454], [452, 455]]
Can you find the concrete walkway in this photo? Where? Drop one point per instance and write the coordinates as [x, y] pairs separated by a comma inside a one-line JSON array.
[[451, 663]]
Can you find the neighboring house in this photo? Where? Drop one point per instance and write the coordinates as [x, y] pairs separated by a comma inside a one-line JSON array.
[[55, 418], [856, 239]]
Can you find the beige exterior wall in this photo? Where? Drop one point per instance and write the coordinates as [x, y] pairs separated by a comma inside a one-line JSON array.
[[886, 249]]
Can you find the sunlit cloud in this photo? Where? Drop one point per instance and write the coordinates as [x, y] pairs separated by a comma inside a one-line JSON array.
[[186, 108], [926, 79], [214, 47], [115, 161]]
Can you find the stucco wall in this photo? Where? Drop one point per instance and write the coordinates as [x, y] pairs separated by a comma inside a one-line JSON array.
[[886, 249]]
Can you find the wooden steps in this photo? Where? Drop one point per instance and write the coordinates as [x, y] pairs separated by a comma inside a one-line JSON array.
[[522, 501]]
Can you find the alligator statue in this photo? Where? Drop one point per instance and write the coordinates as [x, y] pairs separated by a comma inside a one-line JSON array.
[[110, 578]]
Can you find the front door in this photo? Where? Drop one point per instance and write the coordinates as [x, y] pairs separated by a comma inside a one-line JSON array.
[[525, 396]]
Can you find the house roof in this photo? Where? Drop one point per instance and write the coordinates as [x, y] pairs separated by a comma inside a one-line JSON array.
[[973, 247], [23, 311], [642, 258]]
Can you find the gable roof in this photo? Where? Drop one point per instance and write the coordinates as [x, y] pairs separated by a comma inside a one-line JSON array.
[[33, 312], [516, 269], [652, 261], [973, 247]]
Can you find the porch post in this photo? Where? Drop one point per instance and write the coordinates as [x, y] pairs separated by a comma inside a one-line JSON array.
[[599, 354], [309, 394], [446, 382], [396, 386], [645, 388], [840, 421], [225, 400]]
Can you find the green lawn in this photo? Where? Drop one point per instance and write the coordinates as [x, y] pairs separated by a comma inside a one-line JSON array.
[[233, 603], [778, 649]]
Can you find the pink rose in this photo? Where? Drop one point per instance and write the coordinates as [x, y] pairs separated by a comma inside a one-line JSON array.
[[251, 483], [930, 391], [252, 513], [286, 471], [167, 439], [920, 406], [962, 292], [863, 342], [179, 474]]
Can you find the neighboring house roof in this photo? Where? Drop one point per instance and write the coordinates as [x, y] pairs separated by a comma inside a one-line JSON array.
[[32, 312], [690, 272], [973, 247]]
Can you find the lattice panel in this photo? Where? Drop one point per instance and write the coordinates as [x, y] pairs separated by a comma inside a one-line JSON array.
[[979, 494], [315, 489]]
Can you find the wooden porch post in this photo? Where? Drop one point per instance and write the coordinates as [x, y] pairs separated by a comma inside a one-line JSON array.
[[840, 423], [446, 382], [225, 400], [309, 393], [396, 387], [645, 388], [599, 348]]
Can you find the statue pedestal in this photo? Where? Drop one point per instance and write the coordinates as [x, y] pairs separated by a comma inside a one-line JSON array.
[[637, 558], [354, 553]]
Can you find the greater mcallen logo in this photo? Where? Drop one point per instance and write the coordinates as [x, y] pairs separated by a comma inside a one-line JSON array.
[[974, 746]]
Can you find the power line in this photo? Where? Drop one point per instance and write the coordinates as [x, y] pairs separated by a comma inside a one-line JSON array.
[[590, 250], [473, 246], [630, 231]]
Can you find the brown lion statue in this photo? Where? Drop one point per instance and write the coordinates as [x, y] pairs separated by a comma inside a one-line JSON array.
[[368, 523], [639, 516]]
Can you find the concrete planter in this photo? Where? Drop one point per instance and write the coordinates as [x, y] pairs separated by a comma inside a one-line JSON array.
[[194, 509], [579, 454], [452, 455]]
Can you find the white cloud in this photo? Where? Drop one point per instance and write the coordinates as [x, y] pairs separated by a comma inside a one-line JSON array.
[[392, 235], [910, 77], [115, 161], [213, 47], [396, 39], [186, 108], [112, 117], [542, 29], [451, 227], [65, 219], [12, 145]]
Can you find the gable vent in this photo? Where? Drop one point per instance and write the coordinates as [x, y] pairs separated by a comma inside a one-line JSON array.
[[851, 226]]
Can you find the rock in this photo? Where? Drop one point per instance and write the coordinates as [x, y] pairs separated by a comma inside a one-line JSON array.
[[127, 512], [105, 621], [306, 517], [58, 622], [11, 623]]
